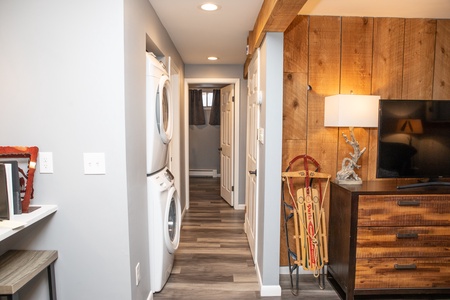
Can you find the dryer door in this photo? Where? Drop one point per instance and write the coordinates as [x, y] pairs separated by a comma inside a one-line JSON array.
[[172, 221], [164, 112]]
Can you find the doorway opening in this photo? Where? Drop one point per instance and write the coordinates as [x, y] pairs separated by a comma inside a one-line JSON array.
[[214, 82]]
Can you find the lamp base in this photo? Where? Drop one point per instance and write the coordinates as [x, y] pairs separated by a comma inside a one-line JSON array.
[[349, 181]]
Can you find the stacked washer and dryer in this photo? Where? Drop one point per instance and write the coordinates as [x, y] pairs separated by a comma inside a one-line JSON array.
[[164, 210]]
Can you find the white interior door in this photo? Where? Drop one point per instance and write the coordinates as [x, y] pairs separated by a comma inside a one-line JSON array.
[[253, 112], [226, 143]]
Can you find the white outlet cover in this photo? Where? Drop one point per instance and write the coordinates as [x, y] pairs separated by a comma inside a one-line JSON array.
[[45, 162], [94, 163]]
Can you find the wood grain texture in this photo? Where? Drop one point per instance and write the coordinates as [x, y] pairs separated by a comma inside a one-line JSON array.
[[214, 261], [356, 65], [387, 73], [385, 210], [420, 41], [381, 273], [296, 46], [324, 77], [441, 85], [430, 241], [401, 248], [295, 106], [388, 51], [356, 75], [18, 267], [291, 149]]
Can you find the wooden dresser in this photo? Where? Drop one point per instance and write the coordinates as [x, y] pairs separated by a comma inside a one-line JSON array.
[[385, 241]]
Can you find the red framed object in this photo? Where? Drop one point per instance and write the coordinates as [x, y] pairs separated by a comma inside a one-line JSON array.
[[28, 152]]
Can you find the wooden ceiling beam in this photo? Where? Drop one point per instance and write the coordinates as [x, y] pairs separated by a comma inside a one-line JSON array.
[[274, 16]]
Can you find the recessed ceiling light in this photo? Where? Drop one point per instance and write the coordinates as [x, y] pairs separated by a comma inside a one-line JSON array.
[[209, 7], [213, 58]]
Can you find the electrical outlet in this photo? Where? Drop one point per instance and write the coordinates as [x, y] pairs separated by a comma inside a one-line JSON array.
[[45, 162], [138, 273], [94, 163]]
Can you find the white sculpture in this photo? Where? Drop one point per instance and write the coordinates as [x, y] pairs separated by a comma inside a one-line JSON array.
[[347, 174]]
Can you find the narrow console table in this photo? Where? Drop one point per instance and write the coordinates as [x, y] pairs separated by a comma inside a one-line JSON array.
[[389, 242], [19, 222], [18, 267]]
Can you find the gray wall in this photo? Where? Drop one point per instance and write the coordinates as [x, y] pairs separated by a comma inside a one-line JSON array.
[[229, 71], [73, 80], [269, 163], [204, 142]]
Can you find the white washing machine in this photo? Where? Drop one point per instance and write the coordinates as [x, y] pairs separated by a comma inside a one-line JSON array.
[[164, 212], [159, 114]]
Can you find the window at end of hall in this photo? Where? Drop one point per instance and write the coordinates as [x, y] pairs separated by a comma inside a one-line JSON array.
[[207, 98]]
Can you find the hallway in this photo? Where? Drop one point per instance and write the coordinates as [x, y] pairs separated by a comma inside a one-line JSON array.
[[214, 261]]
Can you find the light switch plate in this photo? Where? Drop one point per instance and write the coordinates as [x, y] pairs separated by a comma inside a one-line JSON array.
[[94, 163]]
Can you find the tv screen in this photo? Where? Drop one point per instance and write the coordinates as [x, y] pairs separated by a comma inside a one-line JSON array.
[[414, 139]]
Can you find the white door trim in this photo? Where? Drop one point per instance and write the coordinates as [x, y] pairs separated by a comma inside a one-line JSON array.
[[237, 87]]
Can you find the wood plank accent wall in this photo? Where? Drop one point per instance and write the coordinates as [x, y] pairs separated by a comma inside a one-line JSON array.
[[391, 57]]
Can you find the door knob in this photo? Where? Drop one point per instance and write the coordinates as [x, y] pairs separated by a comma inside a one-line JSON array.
[[220, 149], [252, 172]]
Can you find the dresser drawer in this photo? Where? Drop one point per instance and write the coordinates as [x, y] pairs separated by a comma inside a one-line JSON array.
[[431, 241], [402, 273], [403, 210]]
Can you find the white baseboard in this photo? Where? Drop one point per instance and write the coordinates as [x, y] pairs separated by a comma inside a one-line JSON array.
[[239, 206], [267, 290], [270, 290], [203, 173], [150, 296]]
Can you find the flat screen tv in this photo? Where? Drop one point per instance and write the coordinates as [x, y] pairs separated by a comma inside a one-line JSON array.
[[414, 139]]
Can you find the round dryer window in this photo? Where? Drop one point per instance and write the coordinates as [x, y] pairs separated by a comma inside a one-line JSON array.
[[164, 112], [172, 226]]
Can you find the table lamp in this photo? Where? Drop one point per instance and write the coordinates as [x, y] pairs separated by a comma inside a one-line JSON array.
[[351, 111]]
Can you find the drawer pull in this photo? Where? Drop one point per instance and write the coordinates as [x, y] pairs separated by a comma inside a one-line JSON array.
[[407, 235], [408, 203], [405, 267]]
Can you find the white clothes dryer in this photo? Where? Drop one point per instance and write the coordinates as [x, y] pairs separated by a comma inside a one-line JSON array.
[[164, 213], [159, 114]]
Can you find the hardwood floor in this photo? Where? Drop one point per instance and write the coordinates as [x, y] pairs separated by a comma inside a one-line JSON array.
[[214, 261]]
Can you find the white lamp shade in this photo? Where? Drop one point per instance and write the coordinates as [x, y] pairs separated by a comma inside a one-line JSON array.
[[351, 111]]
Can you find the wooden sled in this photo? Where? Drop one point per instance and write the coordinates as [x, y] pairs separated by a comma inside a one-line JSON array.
[[306, 191]]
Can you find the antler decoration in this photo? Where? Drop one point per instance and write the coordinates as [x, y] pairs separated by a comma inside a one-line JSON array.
[[347, 171]]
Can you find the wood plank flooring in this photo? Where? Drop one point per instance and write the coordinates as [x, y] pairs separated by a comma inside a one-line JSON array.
[[214, 261]]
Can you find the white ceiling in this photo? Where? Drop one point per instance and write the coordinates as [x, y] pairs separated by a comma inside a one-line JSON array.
[[198, 34]]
